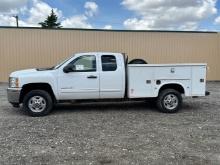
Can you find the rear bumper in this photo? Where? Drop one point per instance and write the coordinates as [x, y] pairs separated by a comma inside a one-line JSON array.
[[207, 93], [14, 95]]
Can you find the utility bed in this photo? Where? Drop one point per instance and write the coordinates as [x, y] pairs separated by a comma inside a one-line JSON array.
[[144, 80]]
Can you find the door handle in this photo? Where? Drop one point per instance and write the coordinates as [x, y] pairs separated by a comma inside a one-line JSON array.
[[92, 77]]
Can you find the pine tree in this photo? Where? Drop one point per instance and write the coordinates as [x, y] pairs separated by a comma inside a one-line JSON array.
[[51, 21]]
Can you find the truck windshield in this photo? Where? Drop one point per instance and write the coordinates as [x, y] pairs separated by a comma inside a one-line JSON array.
[[61, 63]]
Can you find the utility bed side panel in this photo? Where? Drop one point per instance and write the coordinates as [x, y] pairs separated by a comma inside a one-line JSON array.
[[142, 79], [173, 72], [198, 80]]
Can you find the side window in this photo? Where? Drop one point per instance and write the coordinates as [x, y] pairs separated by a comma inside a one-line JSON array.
[[108, 63], [86, 63]]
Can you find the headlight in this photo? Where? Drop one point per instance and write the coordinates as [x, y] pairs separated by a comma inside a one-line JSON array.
[[13, 82]]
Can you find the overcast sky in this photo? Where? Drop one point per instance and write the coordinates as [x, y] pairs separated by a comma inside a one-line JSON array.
[[116, 14]]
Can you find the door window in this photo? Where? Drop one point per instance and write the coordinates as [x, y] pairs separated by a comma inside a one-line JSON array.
[[86, 63], [108, 63]]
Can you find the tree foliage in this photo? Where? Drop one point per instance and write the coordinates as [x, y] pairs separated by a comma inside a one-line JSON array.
[[51, 21]]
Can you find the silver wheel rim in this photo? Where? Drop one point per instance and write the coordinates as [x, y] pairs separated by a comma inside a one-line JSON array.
[[37, 104], [170, 101]]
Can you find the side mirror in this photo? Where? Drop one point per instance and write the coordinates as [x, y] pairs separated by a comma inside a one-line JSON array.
[[69, 68]]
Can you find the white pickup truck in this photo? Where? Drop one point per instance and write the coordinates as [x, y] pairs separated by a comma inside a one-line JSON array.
[[105, 76]]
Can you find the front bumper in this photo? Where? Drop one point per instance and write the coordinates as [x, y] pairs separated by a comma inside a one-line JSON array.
[[14, 95]]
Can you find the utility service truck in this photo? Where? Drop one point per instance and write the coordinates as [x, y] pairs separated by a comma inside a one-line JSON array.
[[105, 76]]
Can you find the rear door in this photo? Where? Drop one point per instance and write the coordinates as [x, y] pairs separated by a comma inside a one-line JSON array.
[[112, 76]]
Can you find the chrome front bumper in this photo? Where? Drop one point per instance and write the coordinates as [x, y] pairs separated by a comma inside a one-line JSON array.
[[14, 95]]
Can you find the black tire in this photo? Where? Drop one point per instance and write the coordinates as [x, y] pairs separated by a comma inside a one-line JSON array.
[[47, 100], [137, 61], [163, 101]]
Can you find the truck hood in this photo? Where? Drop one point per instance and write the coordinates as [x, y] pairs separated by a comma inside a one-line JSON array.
[[29, 71], [22, 72]]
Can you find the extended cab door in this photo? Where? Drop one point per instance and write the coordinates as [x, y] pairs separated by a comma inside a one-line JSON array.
[[82, 82], [112, 76]]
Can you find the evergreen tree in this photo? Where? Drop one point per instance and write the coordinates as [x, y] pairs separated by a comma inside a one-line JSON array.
[[51, 21]]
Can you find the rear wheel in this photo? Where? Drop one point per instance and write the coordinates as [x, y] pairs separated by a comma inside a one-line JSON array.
[[169, 101], [37, 103]]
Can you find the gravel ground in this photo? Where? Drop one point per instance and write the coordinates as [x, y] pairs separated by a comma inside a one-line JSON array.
[[113, 133]]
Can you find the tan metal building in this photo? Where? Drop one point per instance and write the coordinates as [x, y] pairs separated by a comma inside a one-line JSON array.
[[22, 48]]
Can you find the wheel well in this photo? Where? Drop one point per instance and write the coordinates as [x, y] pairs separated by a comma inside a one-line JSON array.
[[177, 87], [36, 86]]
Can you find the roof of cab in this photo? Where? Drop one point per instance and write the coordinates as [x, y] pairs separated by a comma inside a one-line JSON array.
[[99, 53]]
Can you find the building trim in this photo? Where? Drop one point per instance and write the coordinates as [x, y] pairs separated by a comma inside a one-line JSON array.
[[106, 30]]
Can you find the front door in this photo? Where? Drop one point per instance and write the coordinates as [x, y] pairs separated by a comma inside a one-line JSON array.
[[82, 82]]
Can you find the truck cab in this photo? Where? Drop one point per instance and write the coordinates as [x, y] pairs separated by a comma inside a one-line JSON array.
[[92, 76], [105, 75]]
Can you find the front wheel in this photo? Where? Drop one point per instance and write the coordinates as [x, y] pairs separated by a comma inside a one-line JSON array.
[[169, 101], [37, 103]]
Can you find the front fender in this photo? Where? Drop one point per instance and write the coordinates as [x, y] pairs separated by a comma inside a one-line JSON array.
[[47, 78]]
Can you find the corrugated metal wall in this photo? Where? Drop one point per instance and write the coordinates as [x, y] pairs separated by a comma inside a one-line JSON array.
[[28, 48]]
